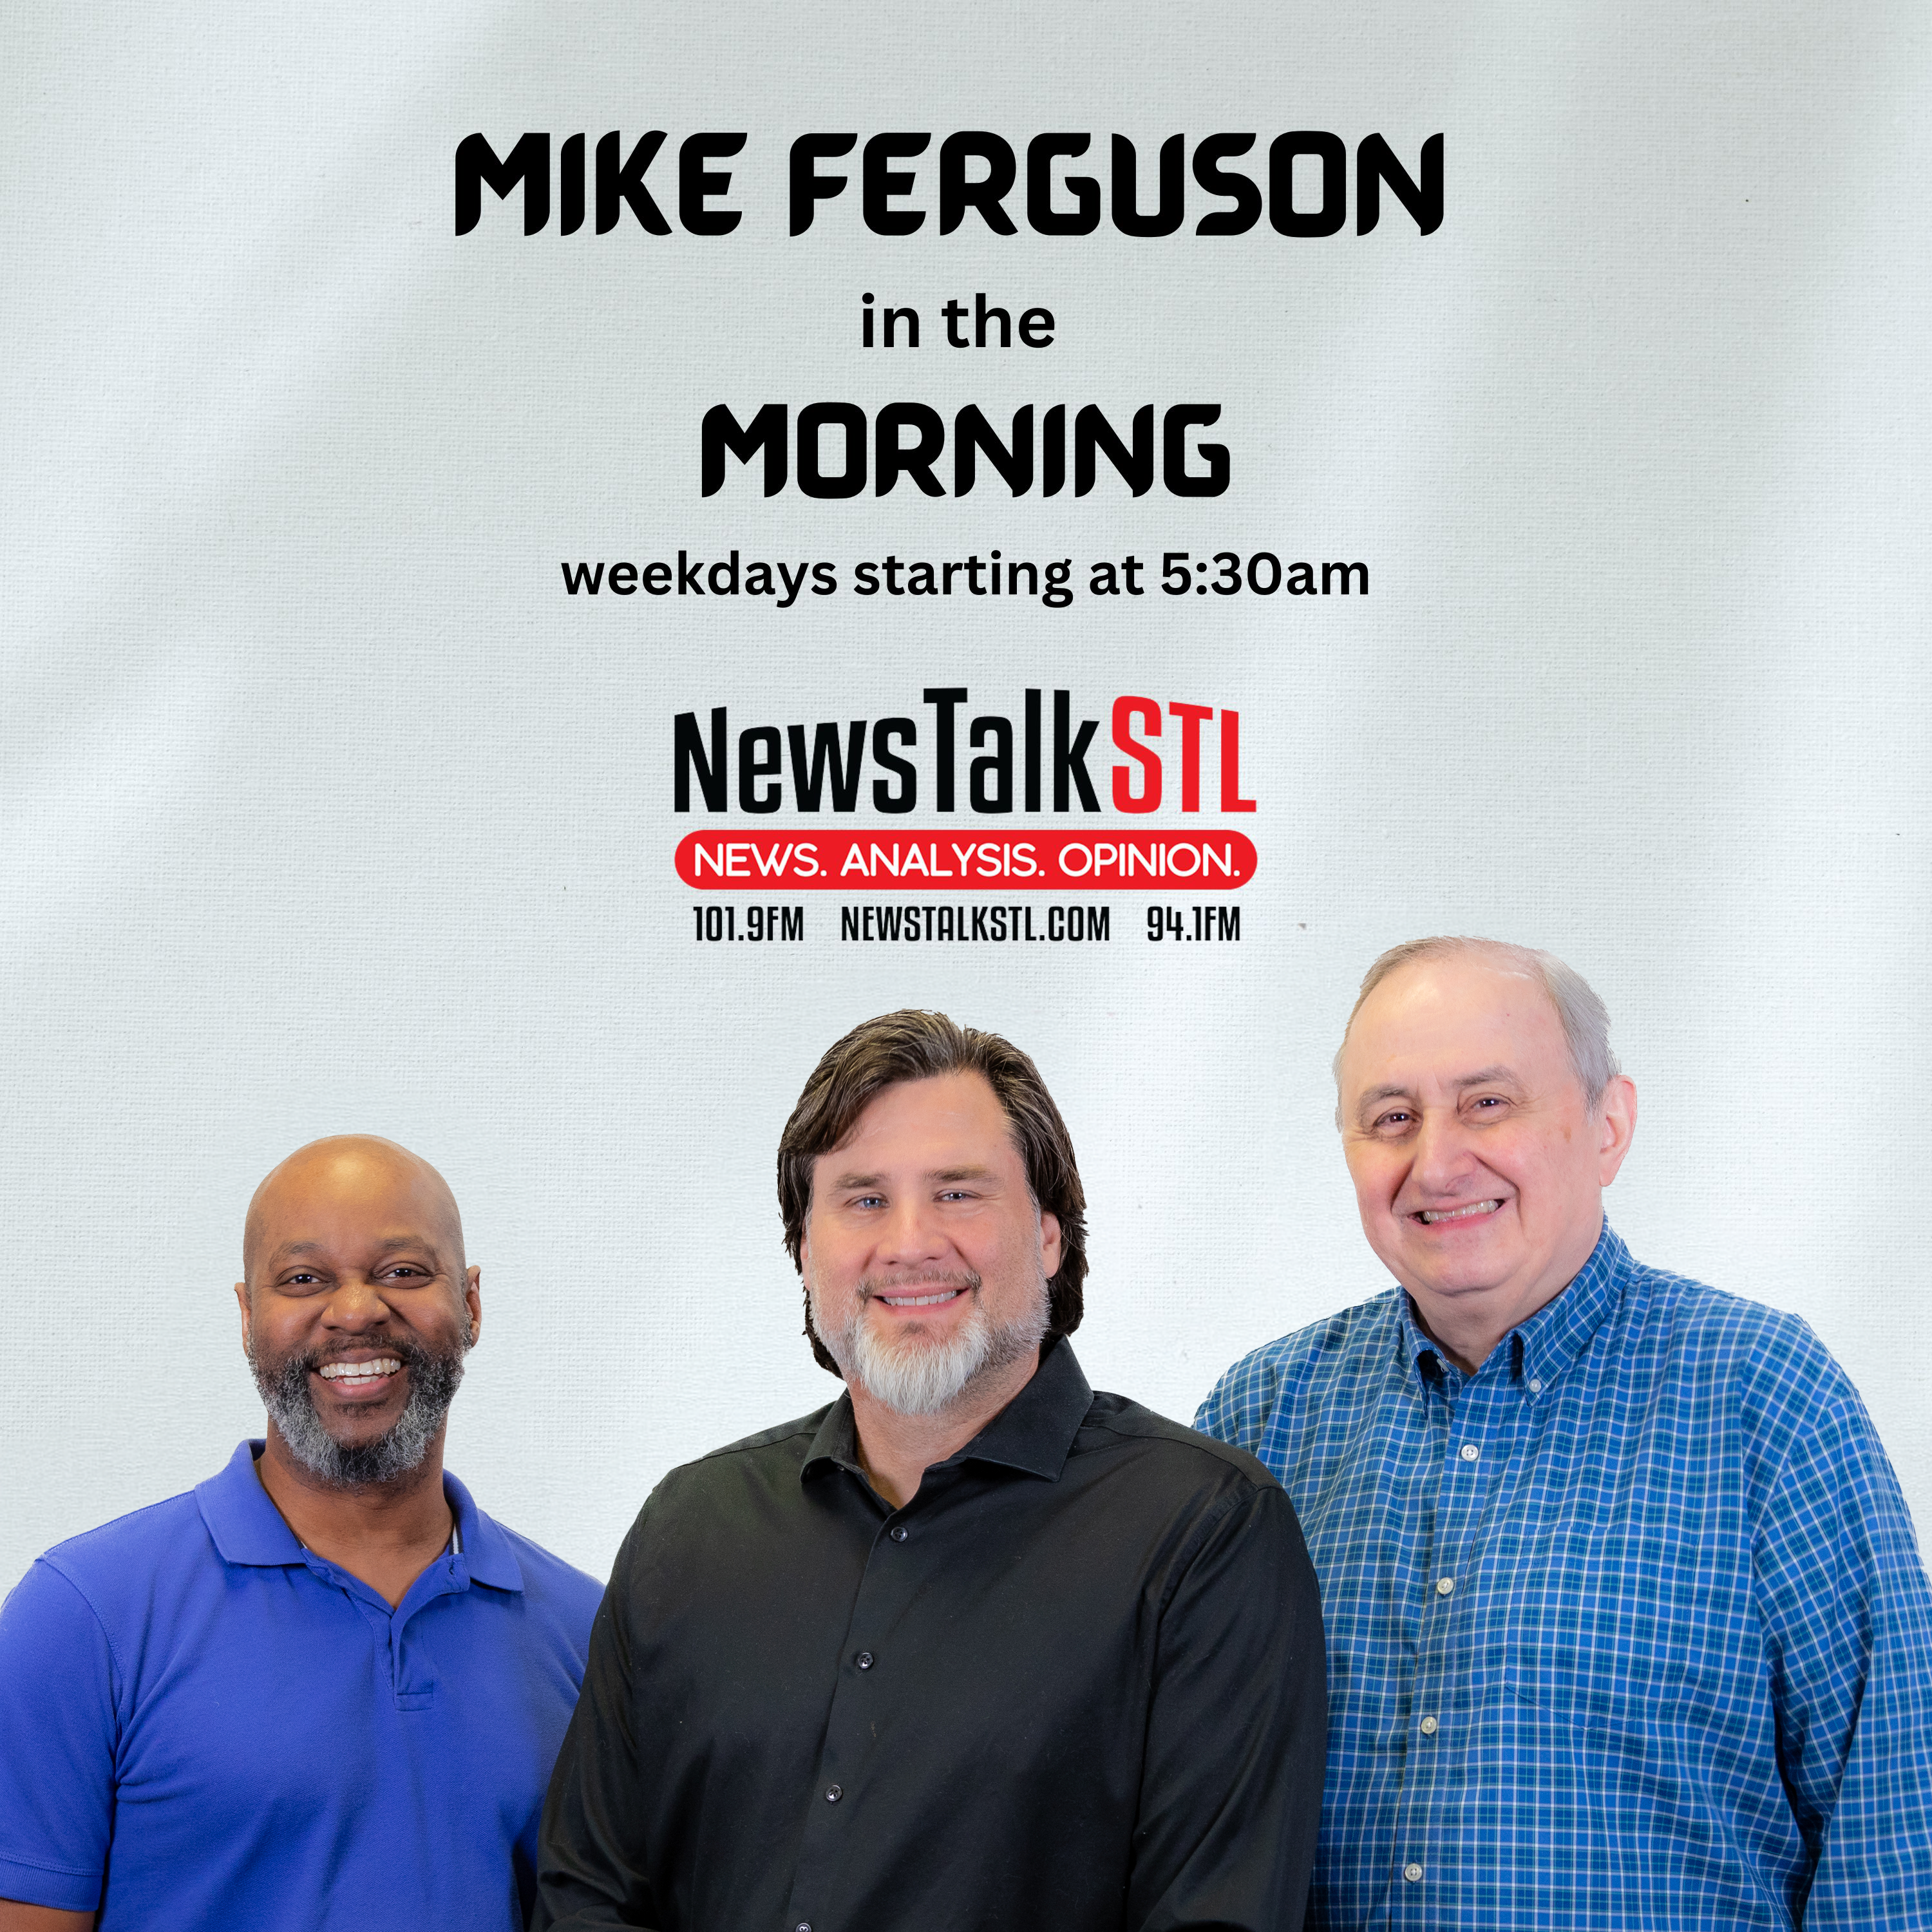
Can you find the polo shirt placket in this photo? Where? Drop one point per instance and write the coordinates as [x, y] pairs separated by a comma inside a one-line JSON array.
[[410, 1683]]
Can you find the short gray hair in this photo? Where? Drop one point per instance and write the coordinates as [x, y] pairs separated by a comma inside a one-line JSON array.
[[1586, 1023]]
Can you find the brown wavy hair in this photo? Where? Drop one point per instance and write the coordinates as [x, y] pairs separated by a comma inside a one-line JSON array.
[[911, 1045]]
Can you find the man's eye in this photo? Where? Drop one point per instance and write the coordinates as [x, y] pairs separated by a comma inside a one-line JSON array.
[[405, 1268], [1491, 1100], [870, 1201], [1399, 1118]]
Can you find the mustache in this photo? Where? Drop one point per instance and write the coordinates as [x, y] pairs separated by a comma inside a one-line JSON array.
[[411, 1353], [874, 1285]]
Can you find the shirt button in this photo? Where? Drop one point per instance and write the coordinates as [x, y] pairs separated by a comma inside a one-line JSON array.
[[833, 1792], [1411, 1872], [803, 1925], [898, 1532], [864, 1659], [1444, 1585], [1429, 1727], [1470, 1452], [1535, 1386]]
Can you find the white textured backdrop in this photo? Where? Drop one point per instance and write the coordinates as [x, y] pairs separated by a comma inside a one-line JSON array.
[[321, 808]]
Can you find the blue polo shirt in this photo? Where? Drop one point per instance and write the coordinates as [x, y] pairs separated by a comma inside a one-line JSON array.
[[203, 1724]]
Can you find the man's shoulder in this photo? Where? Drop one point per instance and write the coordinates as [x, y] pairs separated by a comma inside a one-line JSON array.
[[1750, 1368], [1116, 1423], [1345, 1343], [777, 1441], [130, 1551], [115, 1581], [1363, 1327], [548, 1579], [779, 1451], [1716, 1330]]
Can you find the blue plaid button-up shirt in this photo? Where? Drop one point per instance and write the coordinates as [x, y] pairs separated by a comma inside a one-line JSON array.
[[1628, 1629]]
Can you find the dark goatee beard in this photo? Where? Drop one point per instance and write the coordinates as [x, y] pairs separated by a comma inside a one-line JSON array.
[[398, 1451]]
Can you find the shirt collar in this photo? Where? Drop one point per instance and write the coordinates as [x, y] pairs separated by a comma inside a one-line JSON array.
[[248, 1530], [1033, 1432], [1544, 1346]]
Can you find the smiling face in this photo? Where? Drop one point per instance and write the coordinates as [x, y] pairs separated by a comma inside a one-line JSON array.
[[357, 1310], [1479, 1169], [925, 1258]]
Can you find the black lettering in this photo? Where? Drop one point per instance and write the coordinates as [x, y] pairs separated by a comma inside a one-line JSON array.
[[1092, 431], [990, 787], [1376, 163], [883, 184], [812, 422], [1042, 217], [581, 577], [766, 431], [893, 460], [944, 699], [1179, 480], [1209, 173], [620, 183], [957, 194], [1328, 218], [689, 756], [1069, 754], [1173, 204], [570, 185], [696, 183], [476, 164], [885, 733], [807, 779], [808, 187], [759, 759], [972, 435]]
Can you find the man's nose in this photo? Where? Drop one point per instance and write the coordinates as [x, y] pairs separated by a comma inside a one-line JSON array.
[[1442, 1152], [357, 1303], [912, 1233]]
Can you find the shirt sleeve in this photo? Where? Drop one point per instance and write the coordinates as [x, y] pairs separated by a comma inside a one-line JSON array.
[[1848, 1619], [1231, 1789], [590, 1852], [58, 1734]]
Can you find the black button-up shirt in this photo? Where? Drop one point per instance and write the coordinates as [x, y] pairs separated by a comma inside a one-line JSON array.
[[1076, 1684]]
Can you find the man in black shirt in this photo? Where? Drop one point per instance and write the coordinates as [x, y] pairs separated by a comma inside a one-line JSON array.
[[973, 1647]]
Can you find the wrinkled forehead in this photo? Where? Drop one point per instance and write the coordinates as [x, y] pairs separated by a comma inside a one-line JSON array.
[[1432, 1015]]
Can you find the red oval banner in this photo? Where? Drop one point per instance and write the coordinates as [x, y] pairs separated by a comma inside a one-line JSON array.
[[931, 862]]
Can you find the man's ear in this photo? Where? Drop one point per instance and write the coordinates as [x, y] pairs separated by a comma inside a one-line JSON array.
[[472, 1299], [1616, 1116], [1049, 1245], [241, 1302]]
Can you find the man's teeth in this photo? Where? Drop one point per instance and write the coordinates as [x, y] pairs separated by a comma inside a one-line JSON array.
[[1433, 1214], [342, 1372], [918, 1300]]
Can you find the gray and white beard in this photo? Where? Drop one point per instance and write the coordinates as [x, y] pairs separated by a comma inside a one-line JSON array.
[[914, 1376], [397, 1452]]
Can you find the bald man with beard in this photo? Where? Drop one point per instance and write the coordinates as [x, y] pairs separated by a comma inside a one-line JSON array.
[[323, 1689]]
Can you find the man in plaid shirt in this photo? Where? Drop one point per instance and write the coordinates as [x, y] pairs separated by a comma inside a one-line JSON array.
[[1627, 1625]]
